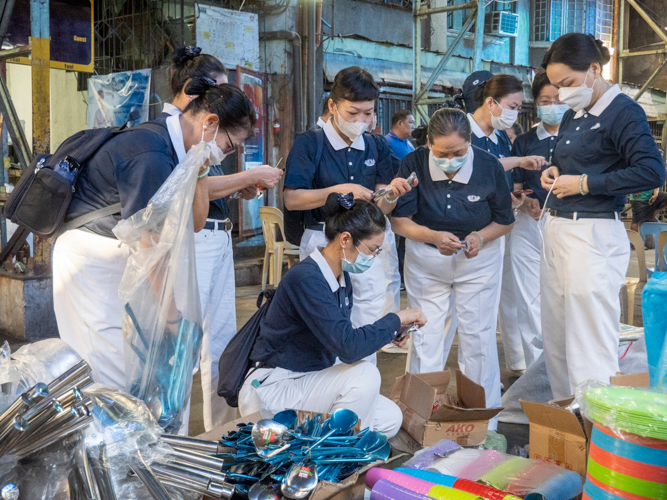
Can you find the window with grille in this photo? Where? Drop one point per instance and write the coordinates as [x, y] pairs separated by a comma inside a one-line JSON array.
[[541, 20], [450, 16], [553, 18]]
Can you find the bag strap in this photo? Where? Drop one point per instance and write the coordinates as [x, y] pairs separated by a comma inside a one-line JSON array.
[[372, 143], [90, 217], [319, 134]]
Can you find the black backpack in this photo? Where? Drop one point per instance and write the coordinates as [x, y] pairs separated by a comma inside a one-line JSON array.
[[235, 360], [43, 194], [294, 220]]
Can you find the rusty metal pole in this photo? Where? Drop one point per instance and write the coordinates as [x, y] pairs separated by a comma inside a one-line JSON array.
[[41, 109], [615, 30]]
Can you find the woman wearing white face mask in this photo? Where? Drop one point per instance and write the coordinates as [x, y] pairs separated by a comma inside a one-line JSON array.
[[500, 99], [307, 327], [88, 263], [452, 221], [342, 157], [605, 151]]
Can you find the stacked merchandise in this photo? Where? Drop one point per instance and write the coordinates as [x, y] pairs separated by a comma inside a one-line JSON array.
[[628, 451]]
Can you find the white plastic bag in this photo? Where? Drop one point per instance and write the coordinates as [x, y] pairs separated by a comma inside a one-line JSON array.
[[162, 323]]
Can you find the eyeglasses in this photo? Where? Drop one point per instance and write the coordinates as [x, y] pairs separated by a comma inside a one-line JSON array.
[[231, 147], [377, 252]]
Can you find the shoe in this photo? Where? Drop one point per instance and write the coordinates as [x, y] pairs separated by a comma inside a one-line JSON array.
[[402, 286], [394, 349]]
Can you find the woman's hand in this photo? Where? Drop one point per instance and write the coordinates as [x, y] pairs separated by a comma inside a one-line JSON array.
[[249, 193], [549, 176], [475, 245], [532, 208], [399, 187], [568, 185], [412, 316], [266, 176], [532, 162], [359, 192], [403, 342], [517, 202], [447, 243]]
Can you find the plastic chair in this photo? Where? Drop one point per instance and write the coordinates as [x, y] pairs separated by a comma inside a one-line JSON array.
[[659, 249], [654, 228], [628, 291], [272, 220]]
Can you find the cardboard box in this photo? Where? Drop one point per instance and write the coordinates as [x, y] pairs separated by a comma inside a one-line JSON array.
[[431, 414], [631, 380]]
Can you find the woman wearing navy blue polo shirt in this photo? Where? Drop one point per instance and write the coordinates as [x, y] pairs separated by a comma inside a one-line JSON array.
[[526, 240], [88, 263], [605, 151], [500, 99], [307, 328], [342, 157], [453, 221]]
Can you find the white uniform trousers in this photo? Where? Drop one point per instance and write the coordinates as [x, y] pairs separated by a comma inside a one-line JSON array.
[[369, 288], [582, 273], [430, 279], [525, 252], [215, 275], [507, 314], [355, 387], [87, 270], [389, 257]]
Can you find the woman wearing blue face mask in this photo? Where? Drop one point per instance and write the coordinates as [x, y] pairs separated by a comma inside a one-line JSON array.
[[452, 221], [308, 326], [605, 151], [526, 240]]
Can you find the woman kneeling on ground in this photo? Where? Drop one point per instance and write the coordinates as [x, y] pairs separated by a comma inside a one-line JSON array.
[[307, 329]]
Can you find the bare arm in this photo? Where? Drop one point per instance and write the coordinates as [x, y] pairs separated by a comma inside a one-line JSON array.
[[220, 186], [200, 204], [526, 162], [308, 199], [406, 227]]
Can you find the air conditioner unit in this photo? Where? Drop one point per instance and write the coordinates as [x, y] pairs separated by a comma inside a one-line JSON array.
[[502, 23]]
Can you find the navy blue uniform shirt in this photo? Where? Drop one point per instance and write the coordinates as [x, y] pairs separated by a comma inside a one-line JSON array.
[[400, 147], [498, 144], [307, 325], [536, 142], [613, 144], [129, 169], [339, 164], [217, 209], [475, 197]]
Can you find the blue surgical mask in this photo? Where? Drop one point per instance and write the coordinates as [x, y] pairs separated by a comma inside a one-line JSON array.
[[360, 265], [552, 114], [450, 165]]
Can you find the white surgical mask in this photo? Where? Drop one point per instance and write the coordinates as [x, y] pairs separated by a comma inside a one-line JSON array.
[[450, 165], [216, 155], [352, 130], [552, 114], [506, 119], [577, 98]]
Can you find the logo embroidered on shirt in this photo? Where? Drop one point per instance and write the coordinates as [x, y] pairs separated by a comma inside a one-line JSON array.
[[597, 125], [347, 302], [473, 198], [370, 162]]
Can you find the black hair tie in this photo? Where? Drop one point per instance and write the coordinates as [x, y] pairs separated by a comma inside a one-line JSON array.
[[210, 82], [482, 84], [192, 51], [346, 200]]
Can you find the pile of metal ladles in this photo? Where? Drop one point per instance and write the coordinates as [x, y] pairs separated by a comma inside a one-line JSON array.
[[283, 455]]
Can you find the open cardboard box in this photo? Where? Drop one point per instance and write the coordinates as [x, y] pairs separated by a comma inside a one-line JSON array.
[[351, 488], [430, 413], [557, 435]]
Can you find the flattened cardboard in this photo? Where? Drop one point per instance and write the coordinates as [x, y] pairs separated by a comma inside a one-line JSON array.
[[418, 394], [631, 380]]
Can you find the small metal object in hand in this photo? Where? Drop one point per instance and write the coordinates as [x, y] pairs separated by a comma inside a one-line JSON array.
[[466, 246], [386, 191], [405, 331]]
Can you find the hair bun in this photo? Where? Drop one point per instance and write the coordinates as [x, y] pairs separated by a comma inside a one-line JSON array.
[[185, 54], [605, 55], [338, 203], [199, 86]]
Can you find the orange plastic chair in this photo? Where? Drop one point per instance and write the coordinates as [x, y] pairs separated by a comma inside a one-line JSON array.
[[272, 221]]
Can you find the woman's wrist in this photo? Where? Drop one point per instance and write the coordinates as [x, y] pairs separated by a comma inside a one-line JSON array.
[[583, 184], [479, 236]]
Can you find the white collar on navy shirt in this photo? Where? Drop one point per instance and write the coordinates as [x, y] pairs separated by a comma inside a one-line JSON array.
[[337, 141], [604, 101], [334, 283], [320, 122], [477, 130], [542, 132], [176, 136], [462, 176], [167, 107]]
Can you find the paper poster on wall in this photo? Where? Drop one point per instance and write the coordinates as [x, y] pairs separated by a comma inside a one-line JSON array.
[[229, 35], [118, 98]]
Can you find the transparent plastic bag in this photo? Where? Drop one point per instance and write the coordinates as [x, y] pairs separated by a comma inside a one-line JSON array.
[[425, 458], [162, 322]]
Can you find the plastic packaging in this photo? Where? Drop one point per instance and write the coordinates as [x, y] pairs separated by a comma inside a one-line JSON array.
[[495, 441], [386, 490], [162, 322], [654, 304], [432, 477], [487, 461], [425, 458], [457, 461]]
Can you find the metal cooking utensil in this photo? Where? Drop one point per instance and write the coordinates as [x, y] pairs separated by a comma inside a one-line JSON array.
[[386, 191], [299, 481], [267, 436], [261, 491], [288, 418], [342, 421]]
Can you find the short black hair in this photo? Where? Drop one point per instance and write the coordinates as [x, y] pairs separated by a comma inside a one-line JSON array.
[[448, 121], [354, 84], [517, 128], [498, 87], [419, 135], [577, 51], [325, 106], [400, 115], [188, 64], [362, 220], [228, 102], [539, 82]]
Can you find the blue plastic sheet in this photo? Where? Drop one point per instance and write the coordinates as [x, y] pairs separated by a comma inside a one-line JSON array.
[[654, 309]]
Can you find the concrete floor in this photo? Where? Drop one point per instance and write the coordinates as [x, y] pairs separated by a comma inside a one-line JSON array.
[[390, 365]]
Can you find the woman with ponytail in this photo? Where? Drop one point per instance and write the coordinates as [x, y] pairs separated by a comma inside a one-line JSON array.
[[307, 328], [605, 151], [88, 262]]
